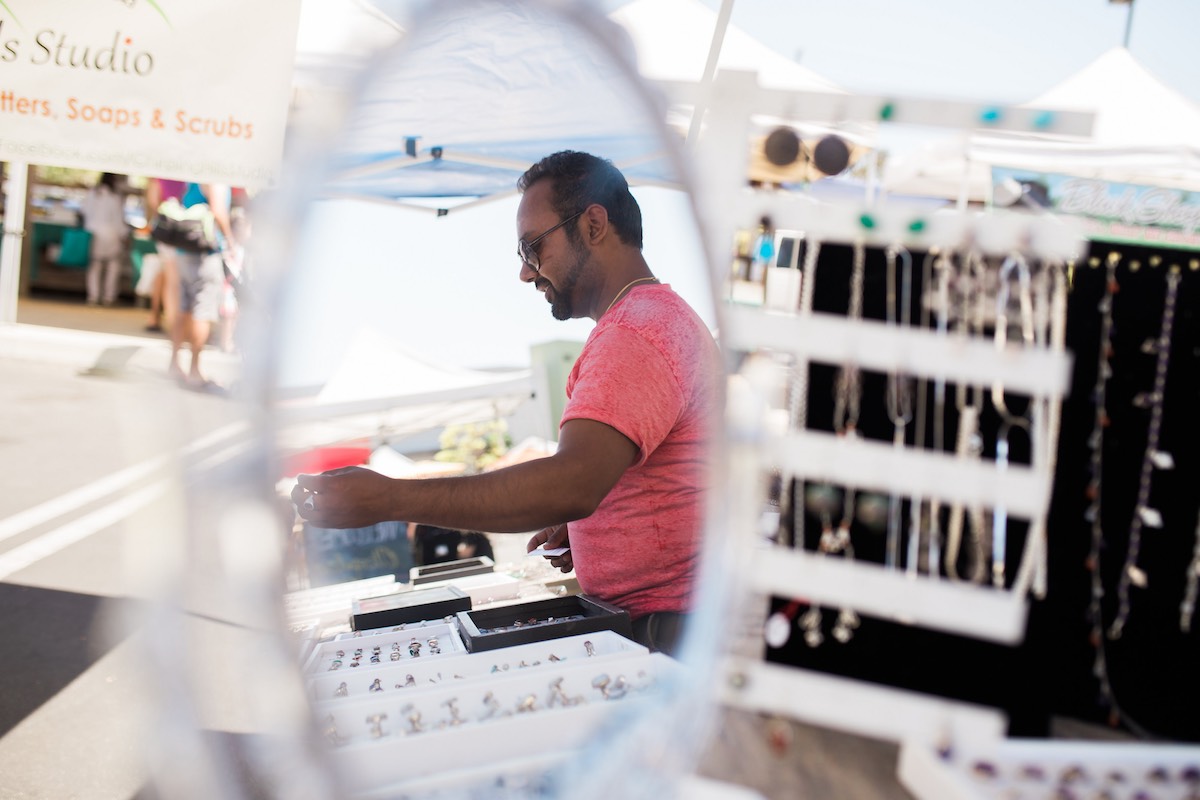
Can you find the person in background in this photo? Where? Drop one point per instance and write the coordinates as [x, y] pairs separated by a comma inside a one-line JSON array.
[[237, 276], [164, 294], [201, 283], [625, 489], [104, 218]]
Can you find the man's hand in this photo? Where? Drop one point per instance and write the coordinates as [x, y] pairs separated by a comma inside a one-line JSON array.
[[553, 538], [349, 497]]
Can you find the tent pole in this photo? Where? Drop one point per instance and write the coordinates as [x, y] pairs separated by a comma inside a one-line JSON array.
[[710, 69], [14, 239]]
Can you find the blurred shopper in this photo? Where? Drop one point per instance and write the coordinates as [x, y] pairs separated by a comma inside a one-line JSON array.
[[104, 218], [237, 278], [201, 283], [164, 292]]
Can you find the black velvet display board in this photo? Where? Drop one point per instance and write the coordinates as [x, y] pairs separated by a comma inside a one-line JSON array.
[[1154, 669]]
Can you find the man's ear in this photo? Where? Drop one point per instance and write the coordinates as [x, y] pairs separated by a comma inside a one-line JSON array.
[[597, 223]]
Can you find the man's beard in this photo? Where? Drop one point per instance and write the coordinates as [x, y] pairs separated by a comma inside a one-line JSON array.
[[562, 307]]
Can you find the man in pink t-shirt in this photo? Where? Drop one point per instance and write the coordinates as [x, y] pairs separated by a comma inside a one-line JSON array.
[[625, 488], [647, 371]]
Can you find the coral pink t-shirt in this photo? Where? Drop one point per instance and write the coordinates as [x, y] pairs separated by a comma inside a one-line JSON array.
[[651, 370]]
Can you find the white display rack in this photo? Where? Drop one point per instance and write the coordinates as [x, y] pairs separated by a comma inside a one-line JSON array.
[[1041, 372], [874, 345], [881, 467], [994, 233], [737, 107], [388, 740], [877, 712], [834, 108], [1035, 768], [414, 674], [356, 654], [893, 595]]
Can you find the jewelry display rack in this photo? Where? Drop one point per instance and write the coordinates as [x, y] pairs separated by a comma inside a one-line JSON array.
[[1037, 367], [1023, 768], [370, 653], [949, 749], [399, 724], [471, 666]]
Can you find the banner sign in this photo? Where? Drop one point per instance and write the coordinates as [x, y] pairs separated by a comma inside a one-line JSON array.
[[1112, 212], [160, 88]]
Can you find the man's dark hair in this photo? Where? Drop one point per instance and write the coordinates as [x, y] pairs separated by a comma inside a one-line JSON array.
[[581, 179]]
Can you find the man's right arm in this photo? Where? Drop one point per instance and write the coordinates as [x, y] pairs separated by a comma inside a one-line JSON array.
[[569, 485]]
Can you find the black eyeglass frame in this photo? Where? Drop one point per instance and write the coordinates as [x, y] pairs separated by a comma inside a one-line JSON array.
[[526, 250]]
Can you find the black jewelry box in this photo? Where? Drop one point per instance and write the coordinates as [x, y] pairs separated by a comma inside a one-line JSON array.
[[448, 570], [408, 606], [492, 628]]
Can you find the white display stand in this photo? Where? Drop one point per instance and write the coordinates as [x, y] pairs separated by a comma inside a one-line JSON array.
[[1039, 369], [390, 739], [370, 654], [1020, 768], [484, 666]]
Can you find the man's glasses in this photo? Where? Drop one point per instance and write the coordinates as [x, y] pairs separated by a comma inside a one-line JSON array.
[[528, 251]]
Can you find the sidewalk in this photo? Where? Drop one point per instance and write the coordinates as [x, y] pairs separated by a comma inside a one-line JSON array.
[[62, 329]]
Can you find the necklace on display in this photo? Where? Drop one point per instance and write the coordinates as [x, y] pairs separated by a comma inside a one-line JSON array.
[[968, 401], [798, 399], [899, 394], [626, 288], [1093, 493], [1144, 516], [1014, 266]]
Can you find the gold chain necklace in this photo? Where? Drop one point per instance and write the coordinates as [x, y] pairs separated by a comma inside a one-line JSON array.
[[625, 289]]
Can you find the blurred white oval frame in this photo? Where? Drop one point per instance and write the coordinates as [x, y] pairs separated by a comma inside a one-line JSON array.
[[633, 755]]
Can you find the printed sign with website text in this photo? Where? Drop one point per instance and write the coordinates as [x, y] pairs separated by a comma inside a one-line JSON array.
[[1111, 212], [163, 88]]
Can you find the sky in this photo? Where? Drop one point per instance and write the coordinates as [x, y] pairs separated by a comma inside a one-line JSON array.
[[999, 52], [448, 290]]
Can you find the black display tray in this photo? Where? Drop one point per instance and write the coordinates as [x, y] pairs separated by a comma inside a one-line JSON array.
[[492, 628], [448, 570], [409, 606]]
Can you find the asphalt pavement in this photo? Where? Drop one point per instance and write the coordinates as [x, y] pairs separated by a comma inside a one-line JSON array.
[[95, 445]]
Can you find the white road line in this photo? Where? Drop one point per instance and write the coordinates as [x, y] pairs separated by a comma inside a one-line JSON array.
[[64, 504], [53, 541], [76, 530]]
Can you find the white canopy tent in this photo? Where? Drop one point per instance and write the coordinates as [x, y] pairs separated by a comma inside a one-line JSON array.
[[457, 118], [1144, 132], [410, 145], [381, 390]]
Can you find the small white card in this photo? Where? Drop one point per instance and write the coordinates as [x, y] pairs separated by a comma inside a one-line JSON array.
[[541, 551]]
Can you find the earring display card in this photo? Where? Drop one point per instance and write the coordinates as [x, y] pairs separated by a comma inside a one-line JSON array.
[[408, 606], [374, 652], [1041, 768], [383, 740], [490, 628], [410, 676], [447, 570]]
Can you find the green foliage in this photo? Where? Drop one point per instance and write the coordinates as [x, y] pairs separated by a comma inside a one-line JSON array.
[[476, 444], [65, 176]]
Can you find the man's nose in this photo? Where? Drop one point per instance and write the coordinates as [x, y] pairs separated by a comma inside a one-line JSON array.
[[528, 274]]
